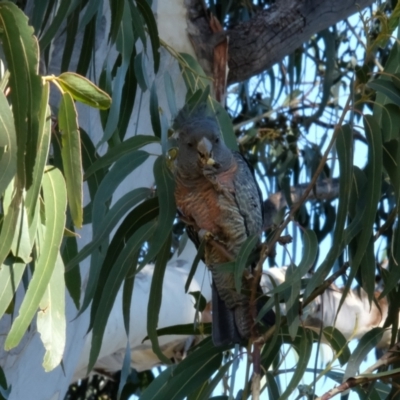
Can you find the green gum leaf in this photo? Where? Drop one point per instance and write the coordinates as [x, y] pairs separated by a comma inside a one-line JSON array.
[[71, 156], [83, 90], [55, 200]]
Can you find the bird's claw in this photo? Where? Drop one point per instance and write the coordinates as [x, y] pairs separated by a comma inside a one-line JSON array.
[[205, 235]]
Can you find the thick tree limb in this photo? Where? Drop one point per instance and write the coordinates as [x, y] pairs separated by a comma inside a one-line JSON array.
[[257, 44]]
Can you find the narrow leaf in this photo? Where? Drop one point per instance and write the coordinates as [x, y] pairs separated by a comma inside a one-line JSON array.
[[8, 144], [112, 218], [115, 153], [100, 269], [117, 10], [165, 191], [365, 345], [344, 147], [10, 277], [43, 147], [304, 351], [89, 156], [155, 299], [21, 245], [83, 90], [338, 343], [55, 201], [387, 88], [199, 256], [241, 259], [151, 23], [10, 220], [185, 329], [194, 76], [71, 156], [73, 277], [113, 283], [61, 15], [170, 92], [124, 166], [88, 46], [128, 97], [51, 322], [310, 249], [225, 125], [124, 45], [22, 55], [154, 112]]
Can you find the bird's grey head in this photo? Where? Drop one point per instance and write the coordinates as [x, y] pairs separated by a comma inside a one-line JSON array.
[[200, 144]]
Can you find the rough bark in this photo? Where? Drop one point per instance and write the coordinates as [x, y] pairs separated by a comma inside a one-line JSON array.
[[257, 44]]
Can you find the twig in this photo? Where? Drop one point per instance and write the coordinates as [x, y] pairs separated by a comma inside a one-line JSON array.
[[391, 356], [321, 288], [352, 382], [387, 223]]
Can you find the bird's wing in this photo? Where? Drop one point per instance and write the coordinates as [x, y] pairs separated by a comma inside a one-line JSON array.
[[248, 196]]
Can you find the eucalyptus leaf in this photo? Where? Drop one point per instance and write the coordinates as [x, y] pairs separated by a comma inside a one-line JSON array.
[[71, 157], [51, 322], [55, 200], [81, 89]]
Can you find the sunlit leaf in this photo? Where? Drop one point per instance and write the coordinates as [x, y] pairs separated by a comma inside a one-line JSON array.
[[55, 199], [71, 156], [83, 90], [43, 145], [8, 145], [51, 323], [10, 276], [22, 54]]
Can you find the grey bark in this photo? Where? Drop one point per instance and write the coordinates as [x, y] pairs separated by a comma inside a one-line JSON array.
[[264, 40]]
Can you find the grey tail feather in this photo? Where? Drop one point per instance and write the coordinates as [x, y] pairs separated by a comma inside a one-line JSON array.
[[224, 331]]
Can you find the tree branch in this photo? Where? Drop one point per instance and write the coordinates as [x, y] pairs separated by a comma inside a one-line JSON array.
[[257, 44]]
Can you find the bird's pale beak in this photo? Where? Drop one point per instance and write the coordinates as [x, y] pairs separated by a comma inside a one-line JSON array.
[[204, 148]]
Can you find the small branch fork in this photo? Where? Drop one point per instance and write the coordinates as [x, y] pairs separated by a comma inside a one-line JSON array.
[[391, 356]]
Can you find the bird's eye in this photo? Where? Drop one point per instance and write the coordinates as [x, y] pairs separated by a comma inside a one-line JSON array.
[[190, 145], [216, 140]]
